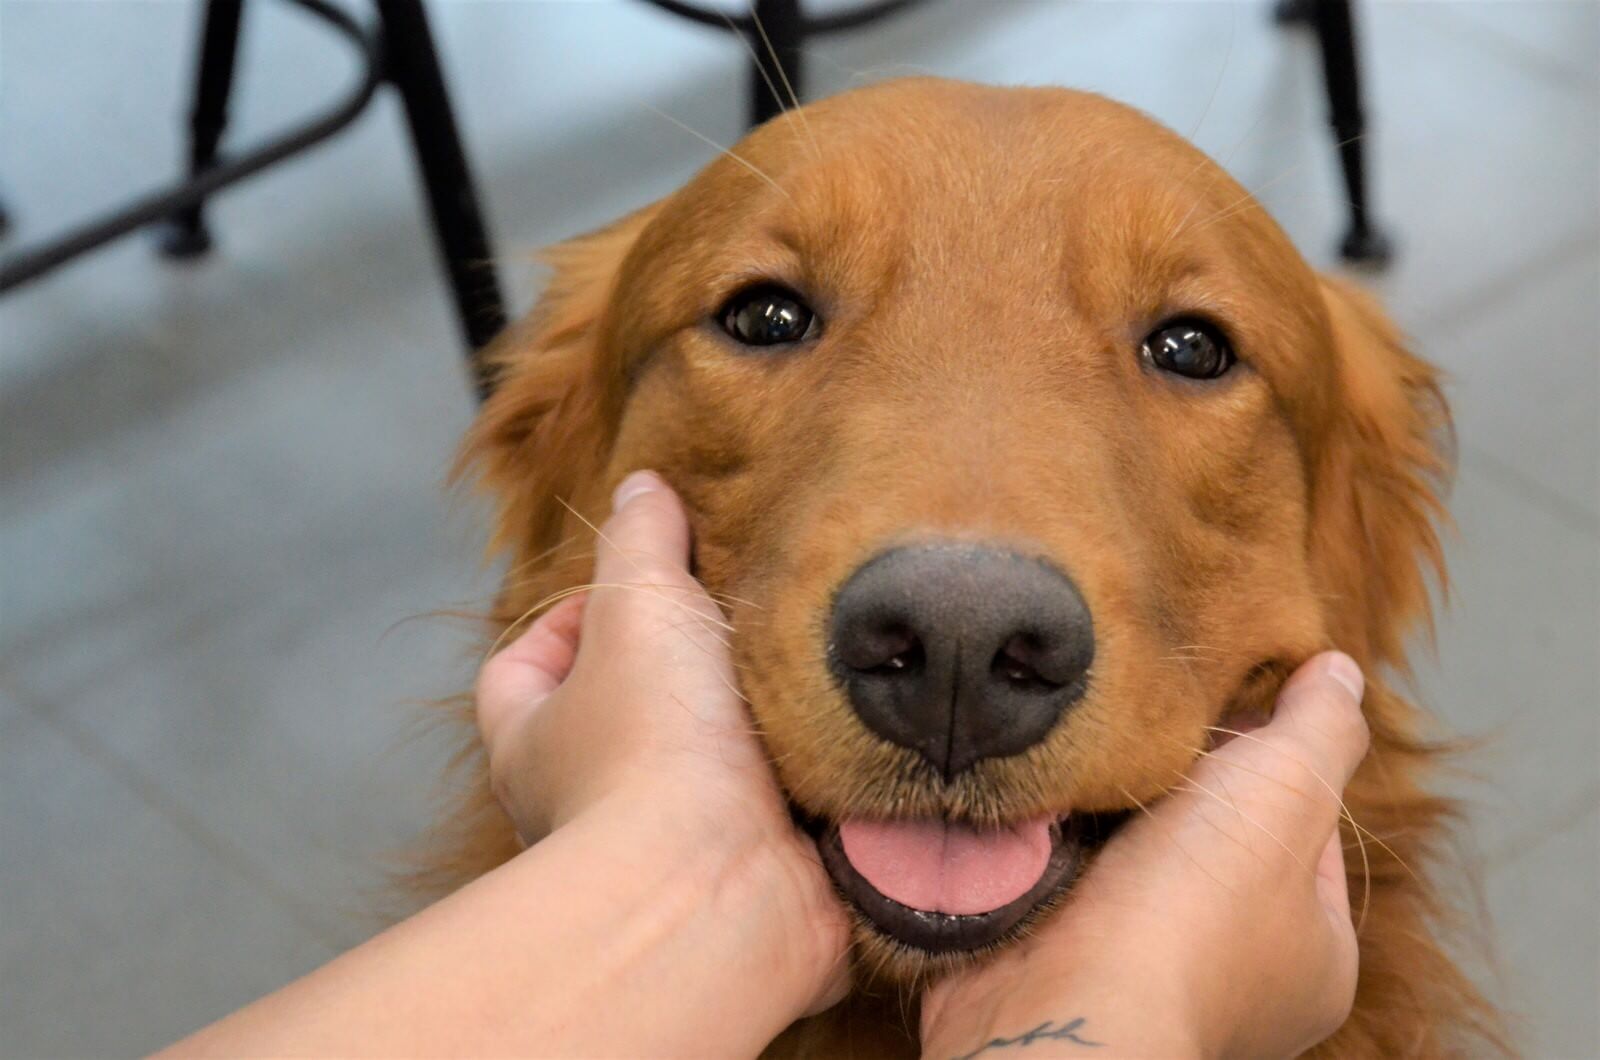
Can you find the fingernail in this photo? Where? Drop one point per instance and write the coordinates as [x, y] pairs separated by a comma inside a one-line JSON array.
[[1343, 669], [636, 484]]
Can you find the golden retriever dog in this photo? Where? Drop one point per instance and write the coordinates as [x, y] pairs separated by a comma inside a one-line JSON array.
[[1026, 452]]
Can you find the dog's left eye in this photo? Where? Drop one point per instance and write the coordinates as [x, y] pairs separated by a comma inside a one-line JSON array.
[[767, 315], [1190, 348]]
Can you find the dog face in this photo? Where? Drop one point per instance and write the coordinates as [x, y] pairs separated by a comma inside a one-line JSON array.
[[1022, 449]]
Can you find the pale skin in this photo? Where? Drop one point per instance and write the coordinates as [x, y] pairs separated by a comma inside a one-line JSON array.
[[669, 907]]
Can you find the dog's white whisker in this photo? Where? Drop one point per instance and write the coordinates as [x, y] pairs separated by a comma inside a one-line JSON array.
[[1222, 72], [794, 97], [1195, 785], [728, 151], [1249, 201], [1361, 833], [640, 571], [1158, 823]]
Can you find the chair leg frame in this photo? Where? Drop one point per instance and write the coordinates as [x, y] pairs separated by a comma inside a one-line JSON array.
[[397, 50], [1334, 23]]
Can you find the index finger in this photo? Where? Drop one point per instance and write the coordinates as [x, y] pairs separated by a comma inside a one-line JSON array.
[[517, 678]]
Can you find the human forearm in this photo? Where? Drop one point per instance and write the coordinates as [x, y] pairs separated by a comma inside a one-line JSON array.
[[610, 937]]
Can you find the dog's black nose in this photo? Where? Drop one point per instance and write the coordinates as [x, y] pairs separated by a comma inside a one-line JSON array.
[[960, 652]]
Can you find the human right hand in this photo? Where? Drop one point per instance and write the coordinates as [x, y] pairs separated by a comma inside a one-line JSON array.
[[1217, 925]]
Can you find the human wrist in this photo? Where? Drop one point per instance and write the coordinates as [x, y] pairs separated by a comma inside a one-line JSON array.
[[729, 878], [1069, 1026], [1104, 1009], [673, 821]]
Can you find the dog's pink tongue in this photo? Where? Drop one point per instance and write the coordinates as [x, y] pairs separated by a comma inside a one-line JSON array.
[[940, 867]]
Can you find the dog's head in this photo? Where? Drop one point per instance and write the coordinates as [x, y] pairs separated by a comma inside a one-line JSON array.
[[1019, 442]]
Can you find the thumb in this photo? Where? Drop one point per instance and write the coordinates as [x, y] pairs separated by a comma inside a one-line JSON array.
[[642, 585], [1333, 886], [646, 540], [1293, 770]]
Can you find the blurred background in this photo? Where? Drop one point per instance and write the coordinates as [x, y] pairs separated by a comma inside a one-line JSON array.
[[221, 484]]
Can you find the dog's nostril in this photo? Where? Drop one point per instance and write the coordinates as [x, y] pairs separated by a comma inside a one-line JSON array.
[[1017, 664], [906, 661], [888, 649]]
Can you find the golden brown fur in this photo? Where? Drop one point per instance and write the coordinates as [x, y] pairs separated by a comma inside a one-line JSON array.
[[987, 261]]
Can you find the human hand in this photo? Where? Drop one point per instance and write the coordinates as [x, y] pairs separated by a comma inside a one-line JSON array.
[[1216, 925], [624, 696]]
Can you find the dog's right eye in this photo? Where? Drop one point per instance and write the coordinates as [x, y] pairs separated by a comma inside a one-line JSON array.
[[1190, 348], [767, 315]]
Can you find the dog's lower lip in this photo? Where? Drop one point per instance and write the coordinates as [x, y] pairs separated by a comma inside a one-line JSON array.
[[938, 933]]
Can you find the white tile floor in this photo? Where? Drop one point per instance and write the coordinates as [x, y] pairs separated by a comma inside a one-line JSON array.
[[220, 485]]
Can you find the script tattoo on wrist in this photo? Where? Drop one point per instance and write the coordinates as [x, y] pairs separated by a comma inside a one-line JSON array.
[[1046, 1031]]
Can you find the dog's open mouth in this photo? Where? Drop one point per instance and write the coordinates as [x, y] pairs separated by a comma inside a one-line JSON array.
[[945, 887]]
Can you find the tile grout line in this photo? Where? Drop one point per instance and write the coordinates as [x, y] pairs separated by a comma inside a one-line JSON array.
[[1462, 313], [1552, 72], [1490, 297], [1572, 514], [1563, 818], [236, 858]]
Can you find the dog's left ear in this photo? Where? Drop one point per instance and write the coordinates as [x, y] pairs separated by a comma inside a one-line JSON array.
[[1386, 461], [545, 432]]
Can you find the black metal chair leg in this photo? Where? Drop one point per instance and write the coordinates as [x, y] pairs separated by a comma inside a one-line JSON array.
[[1363, 244], [412, 65], [185, 235], [776, 72], [1293, 12]]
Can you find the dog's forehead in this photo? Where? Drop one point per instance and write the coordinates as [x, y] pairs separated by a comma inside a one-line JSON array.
[[951, 132], [929, 164]]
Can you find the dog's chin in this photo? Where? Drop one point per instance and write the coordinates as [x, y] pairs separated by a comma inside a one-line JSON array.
[[909, 941]]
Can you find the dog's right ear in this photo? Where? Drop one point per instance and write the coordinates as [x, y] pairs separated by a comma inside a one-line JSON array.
[[547, 428]]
